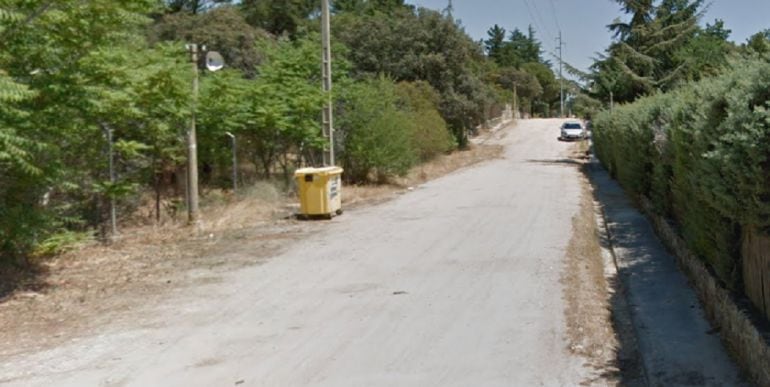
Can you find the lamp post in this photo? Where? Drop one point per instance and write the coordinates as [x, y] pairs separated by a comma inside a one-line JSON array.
[[192, 151], [214, 62]]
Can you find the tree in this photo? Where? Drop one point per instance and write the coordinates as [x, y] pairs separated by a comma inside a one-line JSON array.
[[661, 46], [376, 134], [494, 44], [192, 6], [278, 16], [48, 132], [370, 6], [223, 29], [425, 45], [759, 42], [275, 116], [549, 84]]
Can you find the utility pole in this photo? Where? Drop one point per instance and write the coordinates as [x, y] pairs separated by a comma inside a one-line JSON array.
[[113, 213], [515, 101], [560, 45], [326, 71], [192, 148], [235, 161]]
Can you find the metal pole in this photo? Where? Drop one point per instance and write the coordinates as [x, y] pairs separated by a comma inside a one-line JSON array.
[[192, 151], [235, 161], [561, 79], [326, 71]]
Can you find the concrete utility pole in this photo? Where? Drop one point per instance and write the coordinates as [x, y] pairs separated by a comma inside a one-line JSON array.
[[326, 71], [515, 101], [111, 155], [560, 44], [235, 161], [192, 148]]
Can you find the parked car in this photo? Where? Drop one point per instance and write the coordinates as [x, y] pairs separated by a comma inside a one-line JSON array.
[[572, 130]]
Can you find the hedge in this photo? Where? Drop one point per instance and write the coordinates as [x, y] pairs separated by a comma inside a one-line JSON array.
[[701, 154]]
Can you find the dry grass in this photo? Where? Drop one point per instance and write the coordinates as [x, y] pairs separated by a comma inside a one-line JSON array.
[[80, 290], [590, 328]]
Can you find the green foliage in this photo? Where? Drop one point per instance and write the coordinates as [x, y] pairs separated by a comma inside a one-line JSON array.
[[75, 73], [659, 47], [273, 115], [429, 131], [423, 45], [49, 139], [701, 154], [759, 43], [192, 6], [61, 242], [223, 29], [584, 106], [377, 135], [519, 63], [278, 16]]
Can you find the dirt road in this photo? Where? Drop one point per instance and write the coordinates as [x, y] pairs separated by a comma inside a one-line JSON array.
[[454, 283]]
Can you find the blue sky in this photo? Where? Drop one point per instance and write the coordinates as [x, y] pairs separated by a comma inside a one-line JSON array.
[[583, 22]]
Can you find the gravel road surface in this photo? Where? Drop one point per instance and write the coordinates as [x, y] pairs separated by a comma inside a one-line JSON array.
[[454, 283]]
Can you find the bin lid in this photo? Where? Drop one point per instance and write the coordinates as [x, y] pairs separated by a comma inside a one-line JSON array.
[[318, 171]]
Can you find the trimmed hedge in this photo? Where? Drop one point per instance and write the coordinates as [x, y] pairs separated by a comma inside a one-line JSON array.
[[701, 154]]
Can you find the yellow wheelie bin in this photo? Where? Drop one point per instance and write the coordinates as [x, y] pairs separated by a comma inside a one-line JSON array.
[[320, 191]]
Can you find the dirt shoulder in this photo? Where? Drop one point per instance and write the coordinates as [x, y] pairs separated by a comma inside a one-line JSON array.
[[588, 312], [81, 291]]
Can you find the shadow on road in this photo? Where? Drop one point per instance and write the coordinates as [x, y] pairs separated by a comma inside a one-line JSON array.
[[565, 161]]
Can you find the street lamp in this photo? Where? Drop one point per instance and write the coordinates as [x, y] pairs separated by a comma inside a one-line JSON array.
[[214, 62]]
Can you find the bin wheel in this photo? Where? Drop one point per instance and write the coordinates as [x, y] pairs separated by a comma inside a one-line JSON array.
[[339, 212]]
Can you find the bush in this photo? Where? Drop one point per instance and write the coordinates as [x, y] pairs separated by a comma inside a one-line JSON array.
[[384, 128], [430, 135], [702, 155], [375, 135]]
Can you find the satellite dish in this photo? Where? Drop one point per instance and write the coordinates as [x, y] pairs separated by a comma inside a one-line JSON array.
[[214, 61]]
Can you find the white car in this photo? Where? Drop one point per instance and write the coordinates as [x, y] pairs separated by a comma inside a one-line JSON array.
[[572, 130]]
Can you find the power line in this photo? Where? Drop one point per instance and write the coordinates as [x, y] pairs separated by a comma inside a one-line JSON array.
[[560, 46], [534, 20], [555, 16], [532, 16], [540, 17]]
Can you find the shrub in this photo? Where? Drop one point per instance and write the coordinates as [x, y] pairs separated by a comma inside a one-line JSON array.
[[374, 134], [701, 154], [430, 135]]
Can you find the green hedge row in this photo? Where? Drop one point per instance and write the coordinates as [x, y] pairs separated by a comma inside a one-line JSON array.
[[701, 154]]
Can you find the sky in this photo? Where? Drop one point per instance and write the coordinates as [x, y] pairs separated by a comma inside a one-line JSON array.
[[583, 22]]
